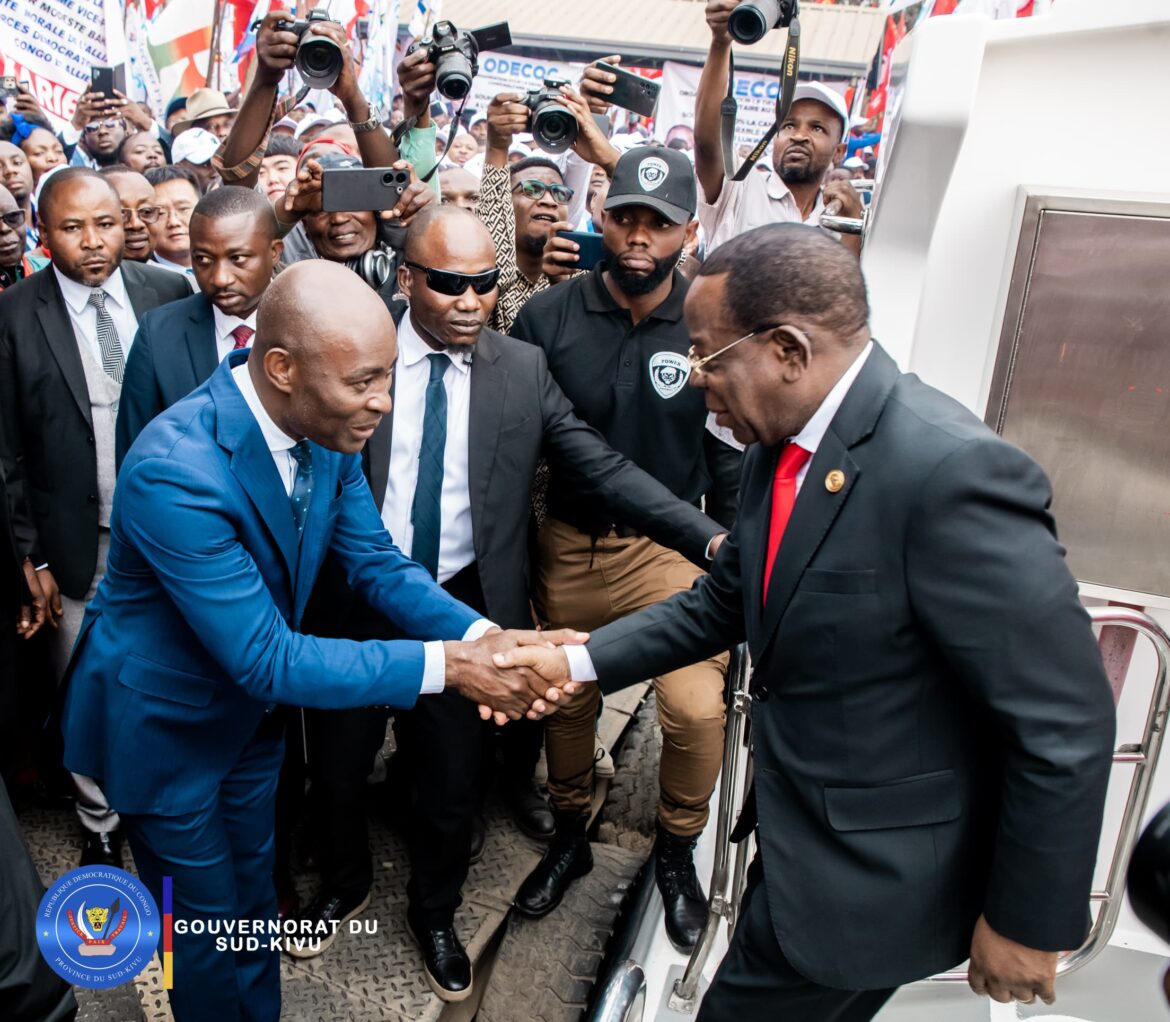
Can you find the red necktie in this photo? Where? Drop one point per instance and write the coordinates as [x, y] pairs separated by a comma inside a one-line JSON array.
[[242, 336], [792, 459]]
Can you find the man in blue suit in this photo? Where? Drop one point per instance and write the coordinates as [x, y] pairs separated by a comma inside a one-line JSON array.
[[225, 508], [234, 251]]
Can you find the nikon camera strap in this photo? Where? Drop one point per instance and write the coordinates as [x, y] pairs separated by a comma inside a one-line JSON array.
[[728, 108], [408, 125]]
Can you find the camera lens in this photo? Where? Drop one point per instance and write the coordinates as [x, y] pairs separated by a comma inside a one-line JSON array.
[[453, 75], [319, 61], [554, 127], [750, 22]]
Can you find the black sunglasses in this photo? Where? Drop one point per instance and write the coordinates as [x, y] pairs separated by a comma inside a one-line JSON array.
[[448, 282], [534, 188], [14, 218]]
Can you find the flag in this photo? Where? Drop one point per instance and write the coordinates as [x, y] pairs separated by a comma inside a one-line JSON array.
[[376, 75], [179, 40]]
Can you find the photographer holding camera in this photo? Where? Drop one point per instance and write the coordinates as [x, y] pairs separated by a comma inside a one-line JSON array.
[[523, 204], [277, 46], [809, 142]]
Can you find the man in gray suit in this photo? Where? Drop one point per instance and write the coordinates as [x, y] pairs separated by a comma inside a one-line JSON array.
[[932, 725], [457, 500]]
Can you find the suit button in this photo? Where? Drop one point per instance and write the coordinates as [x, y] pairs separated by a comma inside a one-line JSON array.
[[89, 440], [91, 499]]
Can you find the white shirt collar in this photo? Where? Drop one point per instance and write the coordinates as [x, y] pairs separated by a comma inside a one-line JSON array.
[[77, 295], [412, 349], [166, 264], [815, 429], [275, 437], [225, 324], [780, 192]]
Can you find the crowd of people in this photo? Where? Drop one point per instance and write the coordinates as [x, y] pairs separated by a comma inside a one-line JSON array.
[[276, 476]]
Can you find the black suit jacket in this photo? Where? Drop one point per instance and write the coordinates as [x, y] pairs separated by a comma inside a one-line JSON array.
[[174, 351], [932, 725], [46, 432], [517, 412]]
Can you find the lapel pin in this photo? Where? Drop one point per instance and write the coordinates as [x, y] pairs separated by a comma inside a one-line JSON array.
[[834, 480]]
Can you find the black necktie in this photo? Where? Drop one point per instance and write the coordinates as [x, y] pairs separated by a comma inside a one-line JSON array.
[[428, 490]]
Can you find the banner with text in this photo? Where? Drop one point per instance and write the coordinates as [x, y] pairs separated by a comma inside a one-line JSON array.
[[755, 93], [52, 44], [504, 72]]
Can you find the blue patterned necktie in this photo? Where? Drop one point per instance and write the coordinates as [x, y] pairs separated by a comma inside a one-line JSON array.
[[428, 490], [302, 492], [107, 335]]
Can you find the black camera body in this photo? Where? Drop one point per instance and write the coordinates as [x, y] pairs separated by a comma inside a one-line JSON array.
[[552, 124], [455, 54], [319, 59], [753, 19]]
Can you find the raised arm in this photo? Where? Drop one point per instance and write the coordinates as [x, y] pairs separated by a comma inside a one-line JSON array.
[[712, 89]]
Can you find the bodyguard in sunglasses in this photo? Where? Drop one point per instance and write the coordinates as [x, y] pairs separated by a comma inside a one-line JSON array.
[[451, 468]]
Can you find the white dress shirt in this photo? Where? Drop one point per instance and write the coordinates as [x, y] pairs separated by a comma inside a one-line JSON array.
[[166, 264], [280, 444], [84, 316], [412, 373], [761, 198], [224, 325], [580, 662]]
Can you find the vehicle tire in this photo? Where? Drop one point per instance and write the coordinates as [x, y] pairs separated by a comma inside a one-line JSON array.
[[631, 807], [546, 969]]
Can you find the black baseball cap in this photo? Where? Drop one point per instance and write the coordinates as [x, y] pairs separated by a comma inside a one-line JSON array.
[[655, 176]]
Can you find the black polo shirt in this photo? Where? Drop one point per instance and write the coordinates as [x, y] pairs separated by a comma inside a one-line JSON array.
[[628, 382]]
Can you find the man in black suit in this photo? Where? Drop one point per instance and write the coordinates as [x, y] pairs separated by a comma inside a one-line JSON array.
[[234, 252], [932, 725], [64, 335], [458, 502]]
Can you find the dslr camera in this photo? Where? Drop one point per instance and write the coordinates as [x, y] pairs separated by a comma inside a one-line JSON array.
[[552, 124], [455, 54], [319, 59], [753, 19]]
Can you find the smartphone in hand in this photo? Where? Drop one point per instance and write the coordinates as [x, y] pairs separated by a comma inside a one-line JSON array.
[[590, 252]]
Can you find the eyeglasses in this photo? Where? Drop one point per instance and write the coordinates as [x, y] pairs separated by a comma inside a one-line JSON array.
[[147, 214], [533, 188], [96, 126], [448, 282], [696, 363], [13, 218]]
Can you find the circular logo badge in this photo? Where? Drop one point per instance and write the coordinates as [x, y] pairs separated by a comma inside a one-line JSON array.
[[98, 927]]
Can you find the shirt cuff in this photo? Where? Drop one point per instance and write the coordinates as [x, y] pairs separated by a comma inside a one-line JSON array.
[[707, 549], [434, 678], [580, 662]]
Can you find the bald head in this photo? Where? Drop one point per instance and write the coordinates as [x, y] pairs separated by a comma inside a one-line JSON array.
[[323, 353], [451, 230], [315, 304]]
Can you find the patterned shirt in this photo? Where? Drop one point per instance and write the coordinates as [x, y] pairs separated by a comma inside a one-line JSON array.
[[495, 210]]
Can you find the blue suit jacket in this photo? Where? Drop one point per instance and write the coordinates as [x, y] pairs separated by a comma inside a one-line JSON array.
[[173, 352], [193, 632]]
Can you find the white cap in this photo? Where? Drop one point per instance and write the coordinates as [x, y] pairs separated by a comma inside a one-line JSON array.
[[329, 117], [855, 163], [829, 97], [478, 118], [195, 145]]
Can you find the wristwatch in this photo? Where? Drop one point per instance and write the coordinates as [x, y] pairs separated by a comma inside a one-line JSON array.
[[371, 123]]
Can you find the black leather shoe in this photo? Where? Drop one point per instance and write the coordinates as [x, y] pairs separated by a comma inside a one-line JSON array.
[[478, 837], [326, 909], [447, 966], [529, 809], [682, 896], [104, 849], [568, 857]]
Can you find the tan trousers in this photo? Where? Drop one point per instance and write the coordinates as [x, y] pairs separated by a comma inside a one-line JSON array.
[[580, 585]]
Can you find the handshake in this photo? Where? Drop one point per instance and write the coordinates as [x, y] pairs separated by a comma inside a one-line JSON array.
[[513, 674]]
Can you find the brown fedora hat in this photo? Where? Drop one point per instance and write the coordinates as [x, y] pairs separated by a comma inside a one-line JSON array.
[[201, 104]]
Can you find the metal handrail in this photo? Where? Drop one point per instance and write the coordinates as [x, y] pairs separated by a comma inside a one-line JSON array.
[[1144, 759], [624, 996], [721, 904]]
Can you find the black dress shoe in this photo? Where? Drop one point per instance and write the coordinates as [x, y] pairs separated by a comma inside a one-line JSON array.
[[478, 836], [529, 809], [682, 896], [104, 849], [327, 908], [568, 857], [446, 963]]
